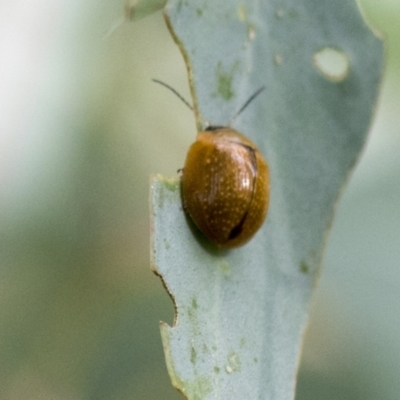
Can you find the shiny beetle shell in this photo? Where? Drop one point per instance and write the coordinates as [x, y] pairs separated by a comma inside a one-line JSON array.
[[225, 186]]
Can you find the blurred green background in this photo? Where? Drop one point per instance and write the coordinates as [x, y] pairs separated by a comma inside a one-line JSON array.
[[81, 129]]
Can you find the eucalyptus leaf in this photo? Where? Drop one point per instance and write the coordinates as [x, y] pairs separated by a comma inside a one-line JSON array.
[[241, 314]]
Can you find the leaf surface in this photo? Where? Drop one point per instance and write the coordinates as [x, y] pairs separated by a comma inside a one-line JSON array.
[[241, 314]]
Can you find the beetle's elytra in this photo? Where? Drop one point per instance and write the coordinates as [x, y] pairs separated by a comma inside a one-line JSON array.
[[225, 186], [225, 183]]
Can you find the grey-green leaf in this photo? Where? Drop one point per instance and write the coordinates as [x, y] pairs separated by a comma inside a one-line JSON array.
[[241, 313]]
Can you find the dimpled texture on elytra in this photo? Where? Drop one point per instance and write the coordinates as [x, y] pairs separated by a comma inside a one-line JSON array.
[[225, 186]]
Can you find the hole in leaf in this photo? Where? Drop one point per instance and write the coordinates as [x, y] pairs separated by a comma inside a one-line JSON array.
[[332, 63]]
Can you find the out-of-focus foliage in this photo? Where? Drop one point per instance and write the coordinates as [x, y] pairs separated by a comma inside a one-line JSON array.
[[81, 129]]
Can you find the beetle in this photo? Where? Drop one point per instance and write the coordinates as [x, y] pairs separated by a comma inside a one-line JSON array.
[[225, 183]]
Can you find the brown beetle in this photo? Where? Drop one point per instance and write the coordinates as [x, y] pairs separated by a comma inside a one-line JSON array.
[[225, 184]]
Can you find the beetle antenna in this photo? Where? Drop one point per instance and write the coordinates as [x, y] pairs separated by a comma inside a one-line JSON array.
[[173, 91], [251, 98]]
